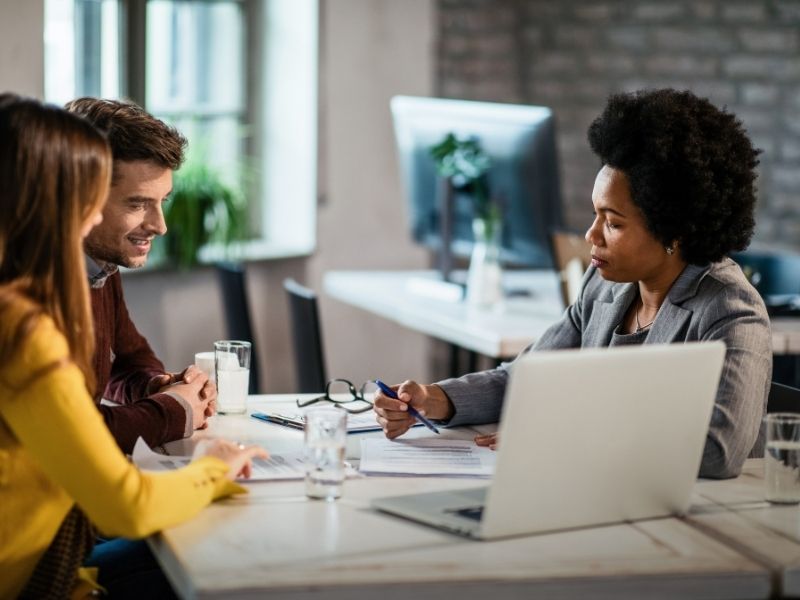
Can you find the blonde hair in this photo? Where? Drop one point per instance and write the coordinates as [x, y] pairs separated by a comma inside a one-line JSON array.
[[55, 170]]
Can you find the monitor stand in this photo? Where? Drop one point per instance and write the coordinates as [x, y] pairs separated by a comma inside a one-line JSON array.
[[442, 288], [446, 198]]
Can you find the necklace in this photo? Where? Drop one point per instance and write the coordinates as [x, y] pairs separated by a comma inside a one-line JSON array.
[[639, 327]]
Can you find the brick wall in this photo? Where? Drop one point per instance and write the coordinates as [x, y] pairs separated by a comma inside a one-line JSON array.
[[570, 54]]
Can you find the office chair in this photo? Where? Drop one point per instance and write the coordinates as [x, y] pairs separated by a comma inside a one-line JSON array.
[[306, 337], [783, 398], [238, 326], [571, 256], [771, 273], [776, 276]]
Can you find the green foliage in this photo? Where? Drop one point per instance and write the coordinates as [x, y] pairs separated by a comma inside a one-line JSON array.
[[202, 209], [465, 164], [460, 159]]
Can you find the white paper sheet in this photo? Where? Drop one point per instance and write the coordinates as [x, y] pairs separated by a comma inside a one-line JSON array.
[[285, 466], [426, 456], [356, 422]]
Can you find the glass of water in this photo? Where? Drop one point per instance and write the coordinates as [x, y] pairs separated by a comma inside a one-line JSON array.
[[205, 361], [232, 365], [325, 439], [782, 458]]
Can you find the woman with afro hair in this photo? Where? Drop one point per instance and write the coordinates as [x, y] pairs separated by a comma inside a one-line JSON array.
[[674, 196]]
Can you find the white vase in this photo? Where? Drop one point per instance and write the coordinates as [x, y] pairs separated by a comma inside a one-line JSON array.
[[484, 279]]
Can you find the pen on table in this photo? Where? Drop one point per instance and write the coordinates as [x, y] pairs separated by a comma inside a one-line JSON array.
[[277, 419], [411, 410]]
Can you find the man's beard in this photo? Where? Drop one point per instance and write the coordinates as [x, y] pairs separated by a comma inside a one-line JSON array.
[[102, 253]]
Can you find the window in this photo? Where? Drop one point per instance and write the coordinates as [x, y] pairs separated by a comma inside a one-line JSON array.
[[195, 72], [82, 50], [237, 77]]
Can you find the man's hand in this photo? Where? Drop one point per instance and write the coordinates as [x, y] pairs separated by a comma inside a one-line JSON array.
[[192, 385], [160, 382], [392, 414], [209, 393]]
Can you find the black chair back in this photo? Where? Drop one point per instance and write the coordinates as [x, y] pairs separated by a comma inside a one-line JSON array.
[[783, 398], [307, 338], [237, 313]]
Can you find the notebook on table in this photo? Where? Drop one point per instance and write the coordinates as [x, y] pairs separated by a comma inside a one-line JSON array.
[[587, 437]]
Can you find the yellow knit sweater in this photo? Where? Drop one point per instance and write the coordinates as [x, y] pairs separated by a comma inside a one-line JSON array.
[[56, 451]]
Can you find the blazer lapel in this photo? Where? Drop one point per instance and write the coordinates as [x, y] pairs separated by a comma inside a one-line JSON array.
[[669, 325], [607, 313], [672, 318]]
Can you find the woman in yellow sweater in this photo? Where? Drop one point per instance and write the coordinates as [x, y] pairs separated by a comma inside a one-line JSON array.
[[60, 469]]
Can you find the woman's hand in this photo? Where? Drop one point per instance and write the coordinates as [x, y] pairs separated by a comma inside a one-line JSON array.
[[392, 413], [238, 456], [489, 439]]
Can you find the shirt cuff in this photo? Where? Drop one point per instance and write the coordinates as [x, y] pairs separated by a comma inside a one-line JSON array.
[[188, 428]]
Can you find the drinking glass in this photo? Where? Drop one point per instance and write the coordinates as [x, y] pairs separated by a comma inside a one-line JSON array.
[[782, 458], [232, 365], [325, 438], [205, 362]]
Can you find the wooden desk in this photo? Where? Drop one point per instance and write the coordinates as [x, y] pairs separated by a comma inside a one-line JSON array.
[[500, 333], [770, 534], [275, 543]]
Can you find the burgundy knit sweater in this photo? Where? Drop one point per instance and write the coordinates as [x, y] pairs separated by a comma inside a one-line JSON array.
[[124, 363]]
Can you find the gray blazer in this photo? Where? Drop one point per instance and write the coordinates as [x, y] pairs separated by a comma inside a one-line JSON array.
[[714, 302]]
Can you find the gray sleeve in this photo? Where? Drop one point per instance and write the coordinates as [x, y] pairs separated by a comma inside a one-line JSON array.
[[478, 397], [739, 319]]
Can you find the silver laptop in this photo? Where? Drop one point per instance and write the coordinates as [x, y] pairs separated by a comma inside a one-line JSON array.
[[587, 437]]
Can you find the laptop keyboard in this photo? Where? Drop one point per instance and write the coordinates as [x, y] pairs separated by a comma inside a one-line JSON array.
[[471, 512]]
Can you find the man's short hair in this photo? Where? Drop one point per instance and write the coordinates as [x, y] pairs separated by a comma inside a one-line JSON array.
[[133, 133]]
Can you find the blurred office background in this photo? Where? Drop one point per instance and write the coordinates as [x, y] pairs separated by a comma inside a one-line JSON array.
[[302, 88]]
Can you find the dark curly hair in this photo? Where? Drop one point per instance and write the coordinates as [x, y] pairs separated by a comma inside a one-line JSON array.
[[691, 169]]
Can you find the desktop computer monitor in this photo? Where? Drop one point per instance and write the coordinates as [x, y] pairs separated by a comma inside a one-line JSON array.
[[523, 177]]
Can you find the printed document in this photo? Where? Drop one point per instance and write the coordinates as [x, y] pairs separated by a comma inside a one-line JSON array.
[[426, 456], [276, 467]]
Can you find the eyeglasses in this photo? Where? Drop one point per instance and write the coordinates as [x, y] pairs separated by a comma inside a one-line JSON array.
[[344, 394]]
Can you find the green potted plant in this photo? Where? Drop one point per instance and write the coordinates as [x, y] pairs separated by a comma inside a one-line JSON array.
[[203, 209], [464, 165]]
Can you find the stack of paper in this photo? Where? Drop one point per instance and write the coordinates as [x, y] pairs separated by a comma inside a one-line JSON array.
[[276, 467], [426, 456]]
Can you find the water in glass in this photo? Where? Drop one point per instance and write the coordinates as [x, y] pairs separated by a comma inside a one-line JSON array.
[[325, 436]]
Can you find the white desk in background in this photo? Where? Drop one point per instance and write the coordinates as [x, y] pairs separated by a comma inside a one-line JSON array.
[[275, 543], [785, 335], [498, 333]]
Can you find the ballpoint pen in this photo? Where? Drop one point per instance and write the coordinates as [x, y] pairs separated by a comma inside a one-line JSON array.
[[411, 410], [278, 419]]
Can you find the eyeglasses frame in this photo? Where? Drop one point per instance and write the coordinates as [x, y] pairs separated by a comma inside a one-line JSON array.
[[357, 396]]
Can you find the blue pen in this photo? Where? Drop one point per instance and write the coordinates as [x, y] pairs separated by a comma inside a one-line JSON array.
[[411, 410]]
